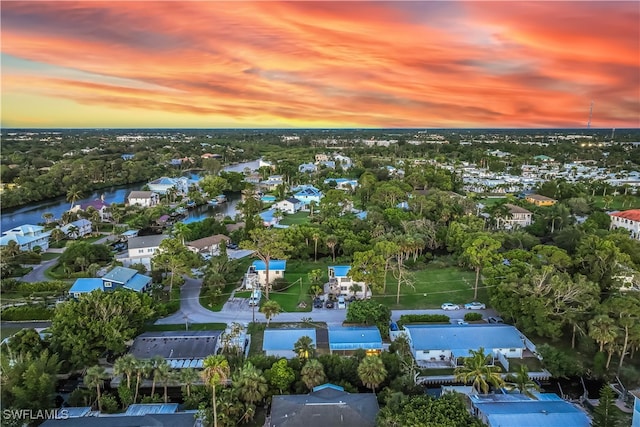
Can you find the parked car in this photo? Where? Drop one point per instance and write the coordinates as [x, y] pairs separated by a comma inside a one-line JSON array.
[[450, 306], [341, 303], [461, 322], [329, 304], [232, 246], [317, 303], [255, 298], [495, 319], [475, 305]]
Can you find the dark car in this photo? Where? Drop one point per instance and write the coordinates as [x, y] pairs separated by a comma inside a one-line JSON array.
[[495, 319], [317, 303], [329, 304], [232, 246]]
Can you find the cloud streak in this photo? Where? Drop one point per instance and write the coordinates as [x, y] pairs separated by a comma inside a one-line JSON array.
[[324, 64]]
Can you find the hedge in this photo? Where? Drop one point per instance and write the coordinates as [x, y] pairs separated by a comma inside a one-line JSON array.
[[423, 318], [471, 317], [27, 312]]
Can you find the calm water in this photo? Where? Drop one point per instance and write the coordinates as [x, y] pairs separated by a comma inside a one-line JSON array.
[[32, 214]]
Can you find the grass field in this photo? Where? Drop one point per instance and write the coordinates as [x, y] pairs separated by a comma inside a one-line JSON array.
[[8, 331], [490, 201], [296, 218], [46, 256], [297, 276], [181, 327], [619, 203], [432, 287]]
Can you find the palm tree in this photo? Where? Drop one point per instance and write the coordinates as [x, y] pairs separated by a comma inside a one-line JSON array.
[[250, 384], [57, 234], [603, 330], [521, 381], [72, 232], [47, 216], [304, 347], [315, 236], [331, 242], [270, 309], [372, 372], [125, 365], [188, 377], [156, 364], [143, 368], [476, 371], [355, 288], [165, 375], [11, 250], [94, 377], [73, 194], [215, 371], [313, 373]]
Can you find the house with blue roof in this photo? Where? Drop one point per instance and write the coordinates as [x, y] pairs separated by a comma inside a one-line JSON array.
[[127, 156], [164, 184], [77, 229], [269, 217], [307, 168], [350, 339], [340, 283], [449, 343], [27, 236], [119, 277], [308, 194], [546, 410], [256, 275], [280, 342], [343, 183]]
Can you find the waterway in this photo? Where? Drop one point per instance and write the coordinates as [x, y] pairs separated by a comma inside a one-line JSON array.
[[32, 213]]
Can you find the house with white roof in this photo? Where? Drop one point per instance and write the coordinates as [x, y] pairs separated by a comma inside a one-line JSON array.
[[340, 282], [119, 277], [629, 220], [290, 205], [27, 236], [280, 342], [145, 199]]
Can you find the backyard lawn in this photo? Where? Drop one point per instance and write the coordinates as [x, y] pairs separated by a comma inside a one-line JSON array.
[[298, 290], [619, 203], [296, 218], [432, 287]]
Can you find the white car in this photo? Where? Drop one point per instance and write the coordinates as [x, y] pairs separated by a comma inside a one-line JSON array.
[[475, 306], [450, 306], [341, 303]]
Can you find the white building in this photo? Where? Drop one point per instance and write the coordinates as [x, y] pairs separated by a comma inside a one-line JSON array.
[[145, 199], [142, 249], [519, 217], [77, 229], [629, 219], [290, 205]]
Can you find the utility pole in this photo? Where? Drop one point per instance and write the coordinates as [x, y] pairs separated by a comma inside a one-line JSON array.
[[590, 115]]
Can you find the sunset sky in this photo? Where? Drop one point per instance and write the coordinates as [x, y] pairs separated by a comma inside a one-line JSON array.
[[424, 64]]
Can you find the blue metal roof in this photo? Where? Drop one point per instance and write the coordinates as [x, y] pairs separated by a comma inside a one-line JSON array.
[[284, 339], [462, 339], [533, 414], [340, 270], [120, 275], [151, 408], [274, 264], [77, 411], [267, 215], [86, 285], [353, 338], [138, 282], [328, 385]]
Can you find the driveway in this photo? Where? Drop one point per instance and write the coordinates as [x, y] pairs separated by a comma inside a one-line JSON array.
[[37, 274]]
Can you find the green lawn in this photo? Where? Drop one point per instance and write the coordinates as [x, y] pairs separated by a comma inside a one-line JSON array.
[[432, 287], [46, 256], [619, 203], [296, 218], [490, 201], [297, 276], [181, 327], [8, 331]]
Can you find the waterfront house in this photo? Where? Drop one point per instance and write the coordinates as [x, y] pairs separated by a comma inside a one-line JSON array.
[[97, 204], [143, 198], [164, 184], [629, 220], [280, 342], [77, 229], [119, 277], [27, 236], [208, 245]]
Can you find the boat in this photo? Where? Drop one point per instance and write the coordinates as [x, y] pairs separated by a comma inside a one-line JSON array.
[[221, 198], [212, 202], [191, 204]]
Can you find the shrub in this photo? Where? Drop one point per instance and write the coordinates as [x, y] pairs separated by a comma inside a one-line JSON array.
[[27, 312], [471, 317], [109, 403], [280, 284], [423, 318]]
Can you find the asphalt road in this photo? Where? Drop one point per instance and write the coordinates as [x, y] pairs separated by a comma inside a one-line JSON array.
[[37, 274]]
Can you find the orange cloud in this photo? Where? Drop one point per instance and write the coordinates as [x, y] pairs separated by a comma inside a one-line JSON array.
[[407, 64]]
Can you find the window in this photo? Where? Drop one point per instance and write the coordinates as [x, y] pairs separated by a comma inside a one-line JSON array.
[[107, 284], [150, 250], [140, 251]]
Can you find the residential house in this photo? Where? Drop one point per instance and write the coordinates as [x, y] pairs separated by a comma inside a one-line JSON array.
[[629, 219], [343, 183], [280, 342], [308, 194], [269, 217], [322, 158], [290, 205], [208, 245], [451, 343], [143, 198], [77, 229], [119, 277], [137, 415], [181, 349], [97, 204], [271, 183], [256, 275], [543, 158], [340, 283], [142, 249], [519, 217], [164, 184], [326, 405], [127, 156], [539, 200], [545, 409], [307, 168], [343, 161], [27, 236], [253, 178], [350, 339]]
